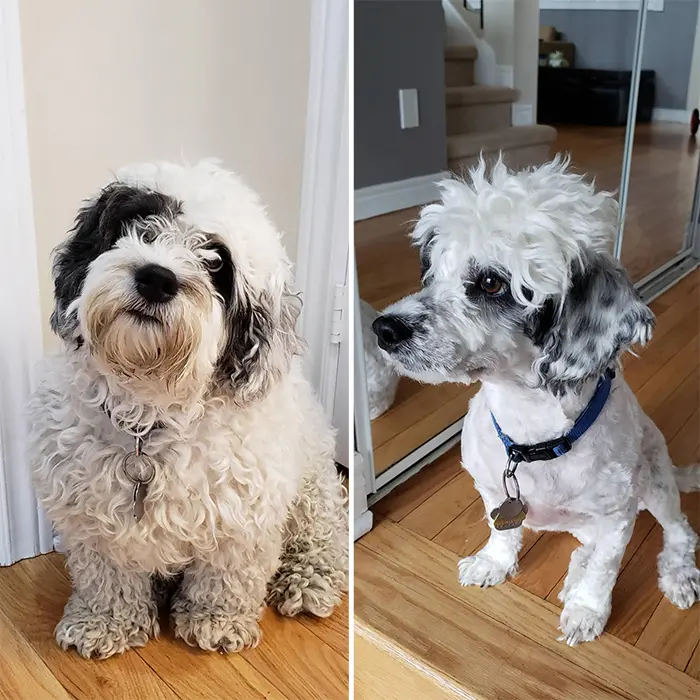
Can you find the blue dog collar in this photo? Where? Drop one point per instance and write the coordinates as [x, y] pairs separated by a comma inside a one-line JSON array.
[[556, 448]]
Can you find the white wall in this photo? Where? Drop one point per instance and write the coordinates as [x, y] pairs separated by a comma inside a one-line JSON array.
[[112, 82]]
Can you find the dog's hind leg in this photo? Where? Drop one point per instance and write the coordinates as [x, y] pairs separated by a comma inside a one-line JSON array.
[[313, 571], [679, 577], [110, 610]]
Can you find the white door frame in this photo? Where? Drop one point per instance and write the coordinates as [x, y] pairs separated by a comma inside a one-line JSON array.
[[322, 252], [24, 532]]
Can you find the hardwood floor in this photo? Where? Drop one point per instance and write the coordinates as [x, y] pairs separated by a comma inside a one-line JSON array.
[[662, 181], [298, 658], [661, 191], [501, 642]]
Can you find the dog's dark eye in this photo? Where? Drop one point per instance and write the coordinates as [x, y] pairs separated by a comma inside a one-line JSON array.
[[213, 265], [492, 284]]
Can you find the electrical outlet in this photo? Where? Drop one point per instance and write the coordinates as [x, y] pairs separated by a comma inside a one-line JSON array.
[[408, 108]]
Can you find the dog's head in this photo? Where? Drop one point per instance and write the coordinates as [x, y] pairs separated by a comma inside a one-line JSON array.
[[518, 281], [173, 279]]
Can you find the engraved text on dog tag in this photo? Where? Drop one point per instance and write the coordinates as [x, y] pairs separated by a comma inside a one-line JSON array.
[[510, 514]]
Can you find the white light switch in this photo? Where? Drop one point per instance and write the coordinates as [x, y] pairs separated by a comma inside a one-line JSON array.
[[408, 108]]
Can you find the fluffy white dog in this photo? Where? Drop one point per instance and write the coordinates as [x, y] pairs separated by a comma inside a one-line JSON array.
[[521, 293], [174, 437]]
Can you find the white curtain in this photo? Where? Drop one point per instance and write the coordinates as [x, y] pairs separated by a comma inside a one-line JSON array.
[[24, 531]]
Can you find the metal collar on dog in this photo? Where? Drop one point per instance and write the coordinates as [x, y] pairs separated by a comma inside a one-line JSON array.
[[551, 449]]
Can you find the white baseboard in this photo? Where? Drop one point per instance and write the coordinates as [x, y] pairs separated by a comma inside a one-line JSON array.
[[392, 196], [362, 525], [521, 114], [505, 76], [679, 116]]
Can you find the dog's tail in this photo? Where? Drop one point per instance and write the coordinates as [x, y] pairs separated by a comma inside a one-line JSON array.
[[688, 478]]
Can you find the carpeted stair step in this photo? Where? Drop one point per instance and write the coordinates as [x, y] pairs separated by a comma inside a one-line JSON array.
[[459, 65], [522, 146], [478, 108]]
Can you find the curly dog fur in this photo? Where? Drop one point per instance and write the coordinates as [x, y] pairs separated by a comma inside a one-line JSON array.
[[199, 359]]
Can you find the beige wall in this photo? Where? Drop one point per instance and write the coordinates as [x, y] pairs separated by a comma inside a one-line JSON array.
[[109, 83]]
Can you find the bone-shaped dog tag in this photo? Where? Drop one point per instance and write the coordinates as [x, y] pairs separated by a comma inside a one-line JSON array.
[[509, 515]]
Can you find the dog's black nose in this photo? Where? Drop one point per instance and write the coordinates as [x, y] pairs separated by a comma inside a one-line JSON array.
[[391, 331], [156, 283]]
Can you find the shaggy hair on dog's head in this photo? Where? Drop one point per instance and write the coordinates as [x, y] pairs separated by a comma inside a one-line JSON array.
[[518, 279], [173, 282]]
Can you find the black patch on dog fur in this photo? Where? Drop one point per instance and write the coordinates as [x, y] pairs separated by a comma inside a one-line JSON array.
[[250, 329], [98, 226], [222, 272], [425, 251], [601, 314]]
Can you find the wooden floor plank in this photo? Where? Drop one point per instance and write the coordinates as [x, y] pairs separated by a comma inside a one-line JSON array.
[[633, 672], [672, 634], [436, 628], [333, 630], [298, 658], [636, 592], [693, 667], [547, 561], [409, 495], [33, 596], [639, 370], [193, 673], [685, 446], [669, 378], [380, 673], [22, 672], [443, 507], [415, 434], [673, 413], [294, 661], [467, 532]]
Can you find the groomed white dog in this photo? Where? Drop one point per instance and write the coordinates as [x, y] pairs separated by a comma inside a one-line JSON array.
[[521, 293], [175, 439]]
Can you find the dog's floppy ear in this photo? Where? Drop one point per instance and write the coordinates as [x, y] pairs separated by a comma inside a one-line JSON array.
[[98, 226], [261, 340], [600, 317], [426, 245]]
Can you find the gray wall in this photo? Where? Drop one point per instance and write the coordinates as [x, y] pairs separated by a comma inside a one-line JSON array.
[[398, 44], [605, 39]]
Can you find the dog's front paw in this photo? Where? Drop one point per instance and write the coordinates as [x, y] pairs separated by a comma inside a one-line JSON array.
[[101, 635], [581, 624], [482, 570], [217, 630], [681, 586], [299, 587]]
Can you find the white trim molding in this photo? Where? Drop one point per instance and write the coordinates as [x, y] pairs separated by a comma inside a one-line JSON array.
[[505, 75], [522, 114], [24, 531], [361, 513], [652, 5], [678, 116], [322, 252], [392, 196]]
